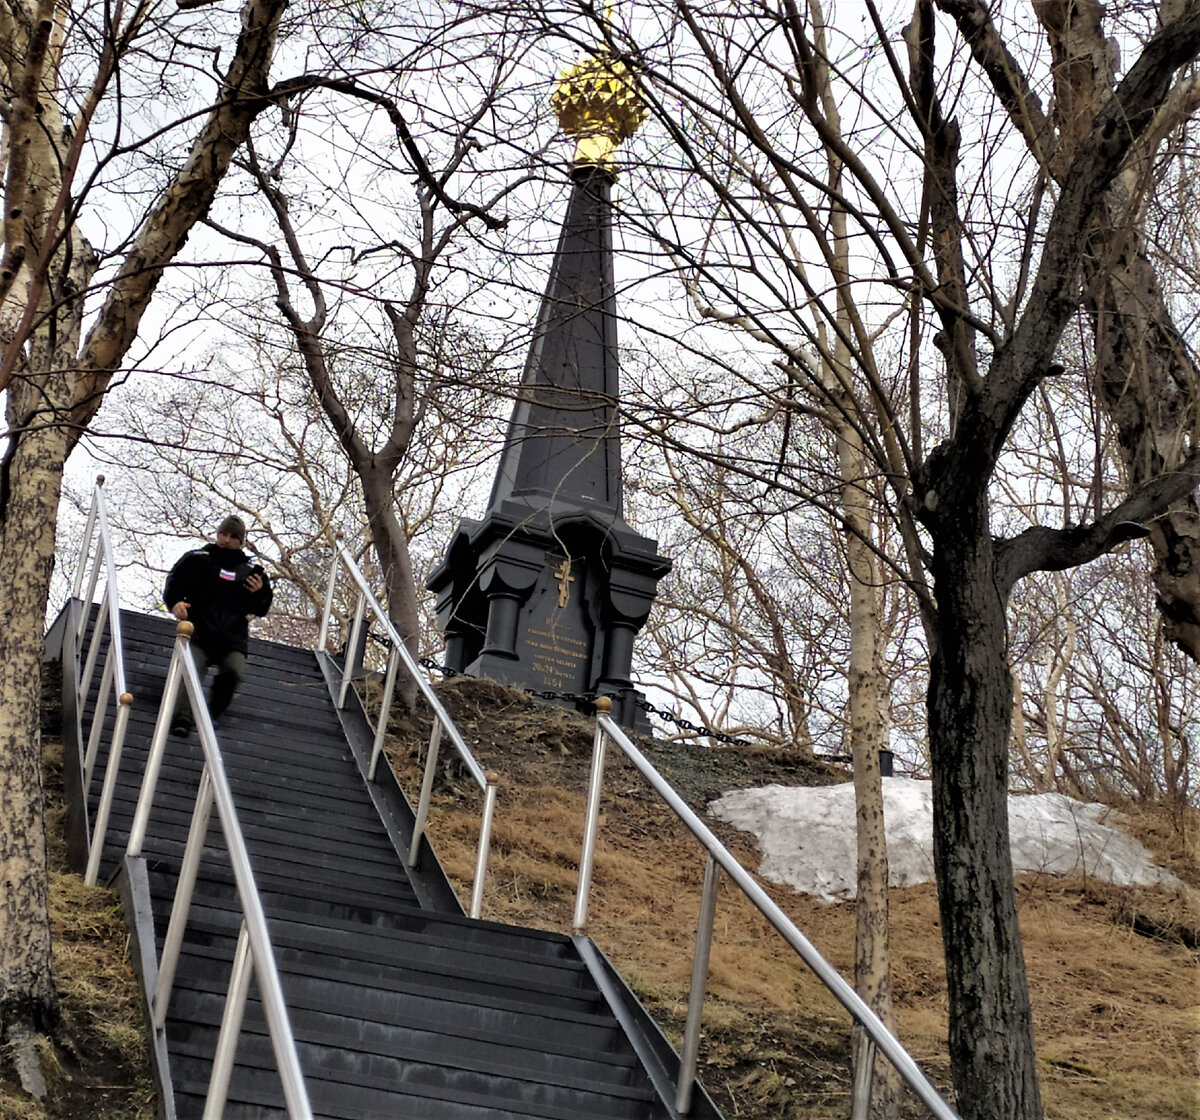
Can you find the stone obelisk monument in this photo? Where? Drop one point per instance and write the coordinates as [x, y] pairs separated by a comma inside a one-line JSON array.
[[549, 589]]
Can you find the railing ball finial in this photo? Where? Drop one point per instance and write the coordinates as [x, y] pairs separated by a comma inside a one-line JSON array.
[[127, 698], [339, 535], [185, 630], [604, 705], [99, 480]]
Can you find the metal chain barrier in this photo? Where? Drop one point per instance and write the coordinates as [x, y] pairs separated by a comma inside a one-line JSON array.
[[688, 725]]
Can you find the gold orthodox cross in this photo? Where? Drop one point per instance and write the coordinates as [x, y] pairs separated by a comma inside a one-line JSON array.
[[565, 579]]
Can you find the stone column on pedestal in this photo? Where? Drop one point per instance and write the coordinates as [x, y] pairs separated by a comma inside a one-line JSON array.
[[550, 588]]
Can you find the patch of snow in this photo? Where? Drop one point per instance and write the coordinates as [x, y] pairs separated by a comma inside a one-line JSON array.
[[806, 836]]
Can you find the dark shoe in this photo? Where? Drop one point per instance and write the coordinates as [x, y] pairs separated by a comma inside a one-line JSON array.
[[180, 728]]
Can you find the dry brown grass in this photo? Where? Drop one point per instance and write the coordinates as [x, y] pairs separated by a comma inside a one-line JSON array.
[[1114, 974], [96, 1066]]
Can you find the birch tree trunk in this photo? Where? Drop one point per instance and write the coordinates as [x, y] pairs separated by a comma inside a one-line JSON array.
[[55, 387], [868, 687], [27, 998], [868, 698]]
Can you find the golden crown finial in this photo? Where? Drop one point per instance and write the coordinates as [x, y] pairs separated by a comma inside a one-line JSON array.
[[598, 106]]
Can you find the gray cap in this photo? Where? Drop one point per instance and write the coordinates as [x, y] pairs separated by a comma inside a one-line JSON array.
[[234, 526]]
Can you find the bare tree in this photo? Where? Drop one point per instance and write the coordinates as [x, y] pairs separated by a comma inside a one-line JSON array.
[[417, 373], [733, 631], [247, 433], [109, 129], [1105, 702], [981, 227], [54, 372], [369, 268]]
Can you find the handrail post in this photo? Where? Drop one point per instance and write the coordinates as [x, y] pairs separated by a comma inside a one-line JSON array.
[[93, 747], [104, 809], [93, 579], [691, 1032], [158, 742], [231, 1028], [181, 905], [864, 1073], [352, 649], [112, 603], [96, 512], [485, 842], [385, 710], [86, 547], [85, 678], [431, 756], [323, 635], [587, 856]]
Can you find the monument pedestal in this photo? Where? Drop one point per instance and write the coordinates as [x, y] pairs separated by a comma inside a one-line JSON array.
[[550, 604]]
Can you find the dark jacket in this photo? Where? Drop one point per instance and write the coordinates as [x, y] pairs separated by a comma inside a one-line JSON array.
[[212, 580]]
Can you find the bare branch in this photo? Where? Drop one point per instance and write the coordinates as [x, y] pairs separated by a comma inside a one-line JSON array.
[[1041, 548], [974, 22], [243, 96], [435, 183]]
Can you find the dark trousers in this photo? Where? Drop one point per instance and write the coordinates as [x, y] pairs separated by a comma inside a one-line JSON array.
[[230, 669]]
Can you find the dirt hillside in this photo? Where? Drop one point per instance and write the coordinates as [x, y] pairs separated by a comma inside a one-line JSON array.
[[1115, 973]]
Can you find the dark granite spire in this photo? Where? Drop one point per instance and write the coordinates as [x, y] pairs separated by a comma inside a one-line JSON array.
[[563, 446], [549, 590]]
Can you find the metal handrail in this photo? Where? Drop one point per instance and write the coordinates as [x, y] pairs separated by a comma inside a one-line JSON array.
[[442, 723], [875, 1033], [112, 674], [254, 951]]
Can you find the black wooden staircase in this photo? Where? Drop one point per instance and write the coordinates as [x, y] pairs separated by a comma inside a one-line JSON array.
[[400, 1005]]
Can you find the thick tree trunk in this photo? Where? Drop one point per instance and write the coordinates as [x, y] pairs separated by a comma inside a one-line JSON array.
[[970, 710], [391, 547], [1149, 387], [26, 559]]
